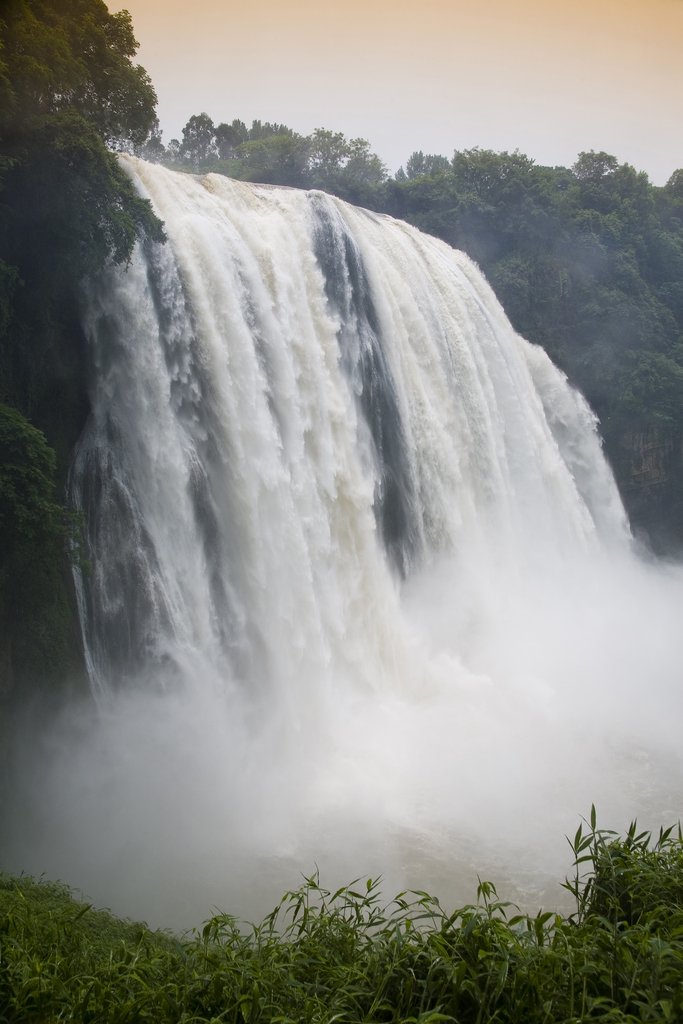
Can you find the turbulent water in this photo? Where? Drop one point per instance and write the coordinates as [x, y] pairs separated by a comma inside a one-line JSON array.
[[363, 592]]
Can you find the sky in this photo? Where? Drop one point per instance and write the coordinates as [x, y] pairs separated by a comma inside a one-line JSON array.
[[550, 78]]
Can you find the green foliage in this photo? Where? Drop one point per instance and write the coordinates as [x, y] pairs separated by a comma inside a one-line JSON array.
[[27, 469], [419, 164], [229, 136], [74, 55], [34, 531], [68, 92], [274, 159], [652, 390], [274, 154], [198, 140], [265, 130], [323, 957]]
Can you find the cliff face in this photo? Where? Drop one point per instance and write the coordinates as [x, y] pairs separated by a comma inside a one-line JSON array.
[[649, 470], [40, 644]]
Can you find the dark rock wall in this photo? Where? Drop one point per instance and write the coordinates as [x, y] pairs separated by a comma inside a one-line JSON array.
[[649, 470]]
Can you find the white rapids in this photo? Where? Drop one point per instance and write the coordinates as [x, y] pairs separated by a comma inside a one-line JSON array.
[[363, 592]]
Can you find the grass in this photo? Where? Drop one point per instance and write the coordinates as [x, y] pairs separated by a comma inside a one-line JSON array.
[[324, 957]]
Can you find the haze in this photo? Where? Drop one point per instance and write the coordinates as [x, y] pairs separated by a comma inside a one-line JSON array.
[[549, 78]]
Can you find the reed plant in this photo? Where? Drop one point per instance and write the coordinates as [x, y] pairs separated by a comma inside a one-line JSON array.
[[346, 957]]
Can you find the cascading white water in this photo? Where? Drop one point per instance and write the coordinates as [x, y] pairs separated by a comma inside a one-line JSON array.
[[362, 587], [296, 401]]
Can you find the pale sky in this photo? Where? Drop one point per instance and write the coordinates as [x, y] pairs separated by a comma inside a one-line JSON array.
[[547, 77]]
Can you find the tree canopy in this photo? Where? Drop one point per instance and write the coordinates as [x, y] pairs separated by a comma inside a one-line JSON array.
[[272, 153], [73, 55], [70, 91]]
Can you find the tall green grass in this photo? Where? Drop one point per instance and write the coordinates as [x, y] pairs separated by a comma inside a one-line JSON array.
[[343, 956]]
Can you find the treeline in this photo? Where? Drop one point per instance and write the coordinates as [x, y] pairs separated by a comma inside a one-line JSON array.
[[270, 153]]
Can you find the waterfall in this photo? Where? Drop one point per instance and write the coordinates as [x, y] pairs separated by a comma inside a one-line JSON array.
[[362, 590], [296, 406]]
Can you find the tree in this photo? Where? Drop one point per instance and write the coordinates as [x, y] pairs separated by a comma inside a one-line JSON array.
[[430, 164], [329, 154], [674, 186], [152, 149], [275, 159], [229, 137], [70, 90], [594, 166], [74, 55], [260, 131], [198, 145], [363, 166], [34, 610]]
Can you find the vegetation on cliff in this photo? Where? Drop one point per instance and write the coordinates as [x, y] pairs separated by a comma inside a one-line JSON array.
[[34, 529], [322, 957], [69, 92]]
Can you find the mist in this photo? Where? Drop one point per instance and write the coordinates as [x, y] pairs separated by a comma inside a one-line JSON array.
[[164, 805], [364, 598]]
